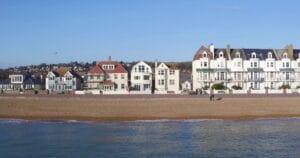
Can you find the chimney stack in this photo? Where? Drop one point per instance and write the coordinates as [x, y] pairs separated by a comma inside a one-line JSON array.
[[109, 58]]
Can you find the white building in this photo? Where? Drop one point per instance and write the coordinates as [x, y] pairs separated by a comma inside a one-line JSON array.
[[107, 77], [56, 82], [141, 78], [254, 69], [166, 78]]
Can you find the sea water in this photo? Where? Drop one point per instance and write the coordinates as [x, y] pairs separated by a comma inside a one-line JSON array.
[[266, 138]]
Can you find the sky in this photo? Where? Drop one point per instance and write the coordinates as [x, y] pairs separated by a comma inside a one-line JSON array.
[[55, 31]]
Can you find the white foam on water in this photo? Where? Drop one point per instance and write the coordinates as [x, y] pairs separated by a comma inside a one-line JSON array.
[[14, 121], [177, 120], [277, 118]]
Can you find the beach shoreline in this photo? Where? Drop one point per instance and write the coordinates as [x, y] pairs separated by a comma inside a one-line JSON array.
[[147, 107]]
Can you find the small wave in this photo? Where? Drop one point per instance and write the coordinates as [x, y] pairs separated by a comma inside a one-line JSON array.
[[201, 120], [178, 120], [157, 120], [277, 118], [14, 121]]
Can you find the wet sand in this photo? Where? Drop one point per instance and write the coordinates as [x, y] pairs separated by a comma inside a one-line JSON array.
[[148, 107]]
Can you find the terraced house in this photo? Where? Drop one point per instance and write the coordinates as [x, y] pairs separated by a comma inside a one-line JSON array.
[[245, 68]]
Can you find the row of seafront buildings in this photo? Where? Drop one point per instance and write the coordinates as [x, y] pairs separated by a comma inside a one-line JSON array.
[[248, 69], [255, 70]]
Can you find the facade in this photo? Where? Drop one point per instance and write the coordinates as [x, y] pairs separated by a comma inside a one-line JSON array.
[[141, 78], [166, 78], [67, 82], [17, 82], [255, 69], [107, 77]]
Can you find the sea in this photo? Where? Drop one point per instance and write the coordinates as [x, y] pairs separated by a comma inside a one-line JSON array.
[[266, 138]]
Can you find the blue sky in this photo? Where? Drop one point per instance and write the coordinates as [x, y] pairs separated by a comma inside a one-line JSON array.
[[31, 31]]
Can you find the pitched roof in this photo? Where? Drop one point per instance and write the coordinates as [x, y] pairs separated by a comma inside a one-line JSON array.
[[96, 70], [32, 80], [75, 74]]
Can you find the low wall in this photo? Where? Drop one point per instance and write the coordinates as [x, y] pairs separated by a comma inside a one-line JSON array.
[[242, 91]]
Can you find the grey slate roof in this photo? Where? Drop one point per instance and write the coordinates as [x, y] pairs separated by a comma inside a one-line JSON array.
[[261, 54], [5, 81]]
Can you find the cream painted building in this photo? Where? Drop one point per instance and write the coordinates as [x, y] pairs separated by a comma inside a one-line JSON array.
[[167, 78]]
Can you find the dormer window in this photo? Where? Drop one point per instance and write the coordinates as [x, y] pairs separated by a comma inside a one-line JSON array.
[[108, 67], [237, 55], [221, 55], [204, 55], [253, 55], [270, 55], [285, 55]]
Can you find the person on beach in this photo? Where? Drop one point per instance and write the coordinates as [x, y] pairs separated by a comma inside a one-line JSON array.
[[2, 92], [212, 97]]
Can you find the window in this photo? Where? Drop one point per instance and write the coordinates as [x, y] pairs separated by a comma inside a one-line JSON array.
[[161, 72], [285, 55], [253, 55], [147, 69], [283, 64], [92, 77], [239, 64], [146, 77], [161, 82], [287, 64], [204, 55], [205, 64], [122, 76], [135, 69], [221, 54], [116, 76], [268, 64], [237, 55], [141, 68], [255, 64], [137, 87], [146, 86], [271, 64], [136, 77], [172, 82], [172, 72], [269, 55], [98, 77], [122, 86]]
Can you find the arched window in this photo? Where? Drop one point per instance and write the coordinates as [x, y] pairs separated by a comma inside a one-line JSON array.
[[204, 55], [237, 54], [270, 55], [253, 55], [221, 54], [284, 55]]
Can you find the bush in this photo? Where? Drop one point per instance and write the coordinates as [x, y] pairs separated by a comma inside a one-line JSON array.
[[235, 87], [298, 87], [285, 86], [218, 86], [205, 87]]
